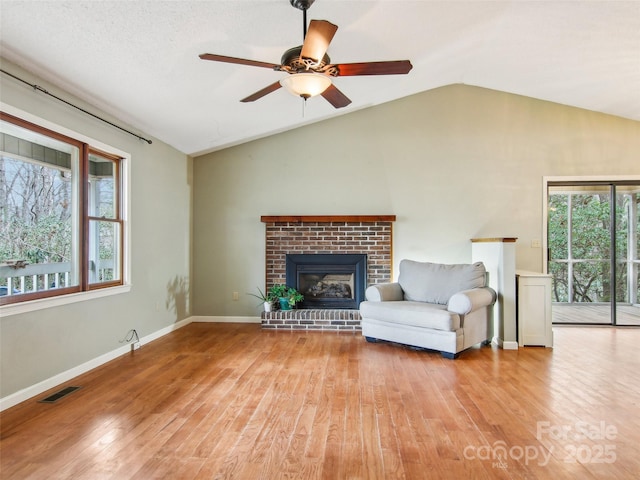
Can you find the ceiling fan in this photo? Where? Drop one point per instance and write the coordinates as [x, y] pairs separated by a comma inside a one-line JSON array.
[[309, 67]]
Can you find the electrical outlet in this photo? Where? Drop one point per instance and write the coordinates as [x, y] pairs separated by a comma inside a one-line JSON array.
[[535, 243], [236, 296]]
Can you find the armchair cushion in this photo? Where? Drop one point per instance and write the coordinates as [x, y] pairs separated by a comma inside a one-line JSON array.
[[417, 314], [436, 282]]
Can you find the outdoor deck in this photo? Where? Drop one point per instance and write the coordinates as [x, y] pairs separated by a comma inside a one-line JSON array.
[[595, 314]]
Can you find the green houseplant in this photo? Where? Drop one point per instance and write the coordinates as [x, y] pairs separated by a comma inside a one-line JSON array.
[[288, 296], [266, 299]]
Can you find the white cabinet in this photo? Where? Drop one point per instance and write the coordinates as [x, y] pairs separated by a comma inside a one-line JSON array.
[[534, 309]]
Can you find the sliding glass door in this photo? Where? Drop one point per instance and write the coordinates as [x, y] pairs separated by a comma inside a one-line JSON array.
[[593, 245]]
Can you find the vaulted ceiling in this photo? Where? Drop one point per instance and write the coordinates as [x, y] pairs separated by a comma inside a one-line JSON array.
[[138, 60]]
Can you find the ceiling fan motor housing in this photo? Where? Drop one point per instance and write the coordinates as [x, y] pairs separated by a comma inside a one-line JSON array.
[[302, 4], [294, 63]]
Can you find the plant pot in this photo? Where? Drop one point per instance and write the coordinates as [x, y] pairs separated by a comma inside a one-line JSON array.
[[267, 307], [284, 303]]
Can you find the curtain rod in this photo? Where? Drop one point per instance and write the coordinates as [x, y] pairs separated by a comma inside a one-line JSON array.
[[40, 89]]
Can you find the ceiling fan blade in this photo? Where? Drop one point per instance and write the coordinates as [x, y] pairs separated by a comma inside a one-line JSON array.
[[394, 67], [335, 97], [317, 40], [239, 61], [261, 93]]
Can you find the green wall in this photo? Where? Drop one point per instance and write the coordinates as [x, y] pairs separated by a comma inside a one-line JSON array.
[[38, 345], [452, 163]]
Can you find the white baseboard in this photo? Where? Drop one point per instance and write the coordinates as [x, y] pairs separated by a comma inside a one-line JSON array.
[[504, 345], [52, 382], [212, 319]]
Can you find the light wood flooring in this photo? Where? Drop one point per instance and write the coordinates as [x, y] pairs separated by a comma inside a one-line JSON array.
[[230, 401]]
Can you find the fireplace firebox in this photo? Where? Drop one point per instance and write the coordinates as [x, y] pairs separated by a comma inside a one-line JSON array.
[[334, 281]]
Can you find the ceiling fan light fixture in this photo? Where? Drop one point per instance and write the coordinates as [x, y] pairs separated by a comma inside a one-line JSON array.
[[306, 84]]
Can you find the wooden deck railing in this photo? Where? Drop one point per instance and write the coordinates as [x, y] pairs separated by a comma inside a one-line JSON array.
[[37, 277]]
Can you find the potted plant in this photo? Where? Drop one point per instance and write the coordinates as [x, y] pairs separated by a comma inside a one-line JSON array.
[[288, 296], [266, 299]]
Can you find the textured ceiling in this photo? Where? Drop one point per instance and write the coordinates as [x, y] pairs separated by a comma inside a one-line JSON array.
[[138, 60]]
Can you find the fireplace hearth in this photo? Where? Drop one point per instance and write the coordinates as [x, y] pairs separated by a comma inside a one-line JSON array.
[[331, 281]]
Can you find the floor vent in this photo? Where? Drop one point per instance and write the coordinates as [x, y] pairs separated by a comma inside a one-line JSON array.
[[58, 395]]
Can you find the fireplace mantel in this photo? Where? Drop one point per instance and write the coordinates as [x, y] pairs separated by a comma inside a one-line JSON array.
[[326, 218]]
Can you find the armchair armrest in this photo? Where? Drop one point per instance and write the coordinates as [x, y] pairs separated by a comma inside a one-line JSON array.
[[384, 292], [469, 300]]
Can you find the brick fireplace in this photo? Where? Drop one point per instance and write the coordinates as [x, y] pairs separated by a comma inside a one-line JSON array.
[[369, 235]]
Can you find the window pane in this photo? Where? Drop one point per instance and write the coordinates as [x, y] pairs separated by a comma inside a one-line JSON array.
[[591, 282], [591, 224], [104, 258], [622, 283], [102, 194], [558, 226], [104, 251], [558, 242], [560, 281], [38, 212]]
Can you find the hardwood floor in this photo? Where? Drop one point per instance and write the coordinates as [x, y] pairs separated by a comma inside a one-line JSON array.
[[214, 401]]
